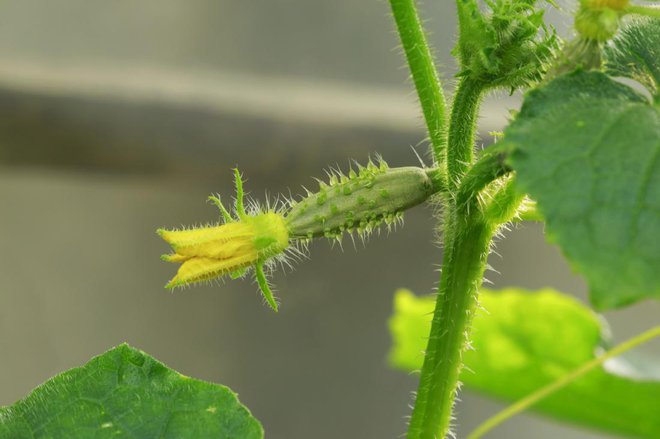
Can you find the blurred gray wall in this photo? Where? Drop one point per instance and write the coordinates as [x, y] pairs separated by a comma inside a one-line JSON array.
[[121, 117]]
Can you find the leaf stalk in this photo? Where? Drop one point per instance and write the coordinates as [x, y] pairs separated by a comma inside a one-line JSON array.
[[462, 128], [424, 74]]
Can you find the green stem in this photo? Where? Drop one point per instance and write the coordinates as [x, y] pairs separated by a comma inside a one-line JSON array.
[[551, 388], [467, 240], [438, 179], [462, 127], [467, 233], [424, 74], [504, 204], [490, 166]]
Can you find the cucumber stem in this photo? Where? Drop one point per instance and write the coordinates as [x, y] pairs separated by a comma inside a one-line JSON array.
[[462, 128], [424, 74], [466, 247]]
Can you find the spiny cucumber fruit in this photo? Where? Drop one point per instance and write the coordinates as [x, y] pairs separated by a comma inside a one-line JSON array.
[[359, 201]]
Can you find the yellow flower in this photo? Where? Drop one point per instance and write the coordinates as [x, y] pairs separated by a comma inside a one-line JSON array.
[[211, 252], [228, 249]]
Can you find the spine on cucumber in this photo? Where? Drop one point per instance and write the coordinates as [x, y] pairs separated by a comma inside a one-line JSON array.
[[359, 201]]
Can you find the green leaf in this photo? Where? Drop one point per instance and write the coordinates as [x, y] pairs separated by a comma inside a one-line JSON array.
[[125, 393], [635, 53], [525, 340], [586, 149]]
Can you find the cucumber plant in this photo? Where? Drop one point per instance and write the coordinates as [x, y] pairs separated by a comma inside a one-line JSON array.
[[581, 155]]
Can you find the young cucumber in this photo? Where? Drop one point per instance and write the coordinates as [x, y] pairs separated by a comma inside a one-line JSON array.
[[361, 201]]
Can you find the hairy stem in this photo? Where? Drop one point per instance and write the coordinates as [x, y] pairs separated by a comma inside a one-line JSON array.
[[462, 127], [467, 231], [504, 203], [490, 166], [424, 74], [466, 246], [467, 241]]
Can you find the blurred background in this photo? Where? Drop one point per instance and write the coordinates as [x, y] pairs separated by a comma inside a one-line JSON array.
[[121, 117]]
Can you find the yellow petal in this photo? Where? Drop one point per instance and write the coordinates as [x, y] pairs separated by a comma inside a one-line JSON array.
[[174, 258], [200, 269], [218, 249], [225, 232]]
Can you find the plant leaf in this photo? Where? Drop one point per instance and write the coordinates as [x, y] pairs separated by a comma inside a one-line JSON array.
[[126, 393], [586, 148], [526, 340], [635, 53]]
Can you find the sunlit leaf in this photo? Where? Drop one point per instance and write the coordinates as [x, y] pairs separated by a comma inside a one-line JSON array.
[[524, 340]]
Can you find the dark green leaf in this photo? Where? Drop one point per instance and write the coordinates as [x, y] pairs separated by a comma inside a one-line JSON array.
[[586, 148], [125, 393], [635, 53], [526, 340]]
